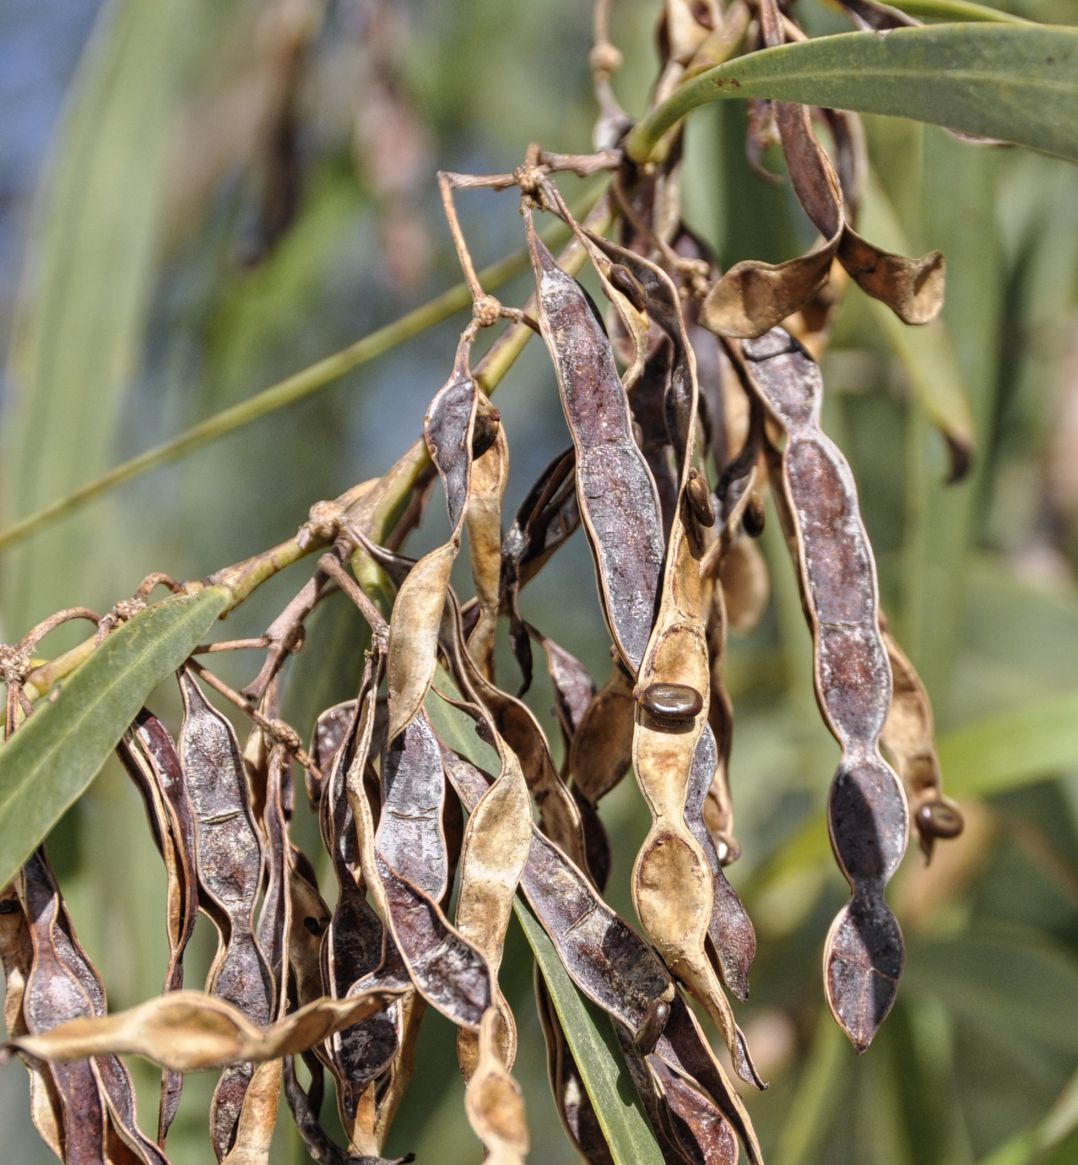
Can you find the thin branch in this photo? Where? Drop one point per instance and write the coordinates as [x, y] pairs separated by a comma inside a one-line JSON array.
[[284, 393]]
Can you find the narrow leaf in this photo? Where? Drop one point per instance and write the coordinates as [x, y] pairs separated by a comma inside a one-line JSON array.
[[1013, 748], [51, 760], [623, 1123], [1015, 83]]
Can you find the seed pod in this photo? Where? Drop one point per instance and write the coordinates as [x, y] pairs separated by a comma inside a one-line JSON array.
[[229, 856], [910, 739], [867, 814], [615, 491], [629, 286]]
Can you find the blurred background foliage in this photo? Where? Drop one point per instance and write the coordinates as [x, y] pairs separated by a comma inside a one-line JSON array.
[[233, 189]]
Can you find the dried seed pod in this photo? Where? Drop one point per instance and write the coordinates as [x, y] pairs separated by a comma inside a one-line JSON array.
[[229, 864], [412, 654], [602, 749], [187, 1031], [493, 854], [615, 490], [626, 282], [910, 739], [754, 296], [677, 873], [447, 970], [353, 942], [867, 813], [494, 1103], [151, 757], [483, 520], [574, 1105]]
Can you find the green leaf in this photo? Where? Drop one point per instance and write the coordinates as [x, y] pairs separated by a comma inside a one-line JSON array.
[[956, 10], [1013, 748], [597, 1056], [1015, 83], [80, 329], [1008, 983], [55, 755]]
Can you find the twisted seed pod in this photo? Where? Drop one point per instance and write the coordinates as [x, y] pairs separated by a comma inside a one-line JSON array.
[[909, 737], [229, 861], [867, 814], [675, 753]]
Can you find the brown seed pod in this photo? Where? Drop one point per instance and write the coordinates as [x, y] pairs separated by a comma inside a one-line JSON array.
[[629, 286], [868, 818]]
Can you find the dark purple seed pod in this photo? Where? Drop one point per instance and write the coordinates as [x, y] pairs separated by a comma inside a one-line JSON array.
[[939, 819], [699, 498], [676, 702]]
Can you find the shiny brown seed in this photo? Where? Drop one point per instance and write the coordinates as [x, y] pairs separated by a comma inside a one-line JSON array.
[[699, 496], [938, 819], [675, 702]]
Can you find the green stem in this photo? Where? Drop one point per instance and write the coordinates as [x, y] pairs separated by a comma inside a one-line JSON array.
[[371, 505], [286, 392]]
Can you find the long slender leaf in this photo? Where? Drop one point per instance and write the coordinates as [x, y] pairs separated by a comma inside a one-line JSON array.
[[591, 1041], [51, 760], [1012, 748], [956, 10], [79, 331], [1015, 83]]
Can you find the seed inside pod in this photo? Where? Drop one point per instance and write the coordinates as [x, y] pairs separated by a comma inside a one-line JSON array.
[[699, 496], [675, 702], [487, 421], [651, 1028], [754, 518], [627, 283], [938, 819]]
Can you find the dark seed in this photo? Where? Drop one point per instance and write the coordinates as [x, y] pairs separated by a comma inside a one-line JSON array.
[[671, 701], [699, 496], [629, 286], [753, 520], [938, 819], [485, 432], [313, 925], [647, 1034]]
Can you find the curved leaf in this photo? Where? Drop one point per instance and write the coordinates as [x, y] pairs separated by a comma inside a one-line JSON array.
[[591, 1040], [1012, 748], [51, 760], [1015, 83]]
